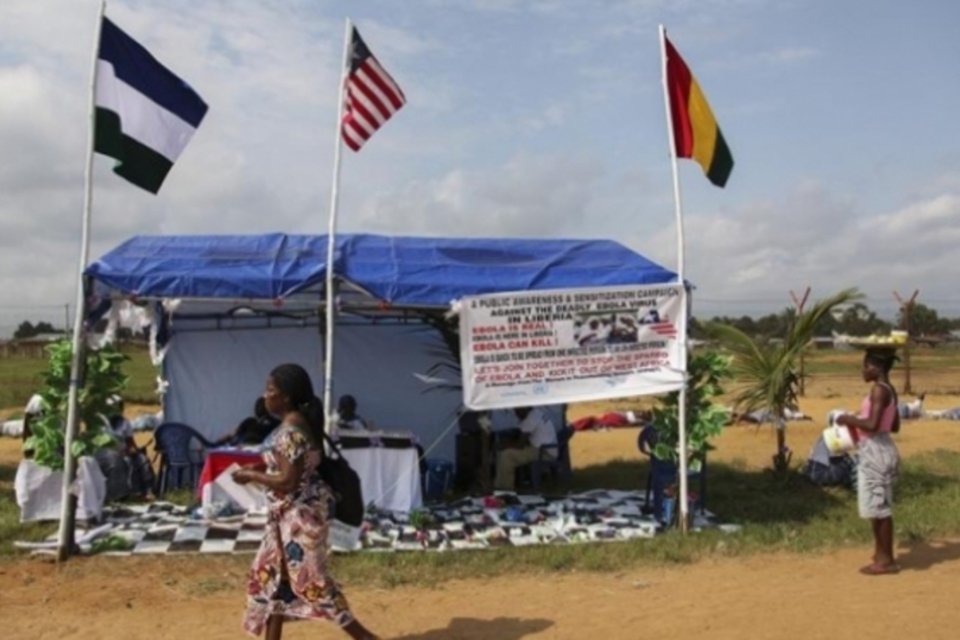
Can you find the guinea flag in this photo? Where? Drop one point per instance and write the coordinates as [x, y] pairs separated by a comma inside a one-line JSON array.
[[695, 131], [145, 115]]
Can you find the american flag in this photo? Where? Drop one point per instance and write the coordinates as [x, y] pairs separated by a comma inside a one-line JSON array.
[[371, 95]]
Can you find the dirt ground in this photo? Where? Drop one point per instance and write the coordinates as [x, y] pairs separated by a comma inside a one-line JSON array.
[[780, 596]]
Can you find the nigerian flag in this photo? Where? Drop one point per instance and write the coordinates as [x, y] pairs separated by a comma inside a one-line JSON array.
[[145, 115]]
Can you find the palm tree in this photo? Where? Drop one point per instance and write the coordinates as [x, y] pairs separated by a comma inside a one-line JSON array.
[[768, 370]]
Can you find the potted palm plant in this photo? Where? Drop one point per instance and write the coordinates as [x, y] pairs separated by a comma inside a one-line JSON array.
[[768, 371]]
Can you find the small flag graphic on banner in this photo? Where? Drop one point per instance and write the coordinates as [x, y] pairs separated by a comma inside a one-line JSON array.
[[695, 131], [145, 115], [372, 96], [665, 329]]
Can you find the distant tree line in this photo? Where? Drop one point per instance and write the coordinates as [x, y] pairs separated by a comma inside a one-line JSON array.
[[855, 320], [27, 329]]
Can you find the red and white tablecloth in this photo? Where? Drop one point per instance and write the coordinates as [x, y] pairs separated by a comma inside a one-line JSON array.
[[216, 462]]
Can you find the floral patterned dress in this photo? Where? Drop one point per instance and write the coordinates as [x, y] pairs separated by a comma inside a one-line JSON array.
[[289, 573]]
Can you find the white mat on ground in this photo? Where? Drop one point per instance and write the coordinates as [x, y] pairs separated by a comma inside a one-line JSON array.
[[505, 519]]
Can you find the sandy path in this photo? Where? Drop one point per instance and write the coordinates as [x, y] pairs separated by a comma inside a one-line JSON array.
[[770, 596]]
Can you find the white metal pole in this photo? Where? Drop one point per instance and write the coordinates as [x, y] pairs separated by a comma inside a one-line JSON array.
[[65, 537], [682, 320], [331, 235]]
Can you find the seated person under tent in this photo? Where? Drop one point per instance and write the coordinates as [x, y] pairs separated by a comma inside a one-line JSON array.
[[347, 416], [124, 465], [253, 430]]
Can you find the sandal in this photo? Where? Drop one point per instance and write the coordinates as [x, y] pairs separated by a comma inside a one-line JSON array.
[[875, 569]]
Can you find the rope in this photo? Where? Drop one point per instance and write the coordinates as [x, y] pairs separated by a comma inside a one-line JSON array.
[[420, 458]]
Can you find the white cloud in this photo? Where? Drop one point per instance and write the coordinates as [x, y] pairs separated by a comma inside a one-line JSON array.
[[527, 196], [551, 116], [759, 252], [789, 55], [32, 132]]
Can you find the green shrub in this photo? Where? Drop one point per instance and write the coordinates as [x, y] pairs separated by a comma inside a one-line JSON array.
[[102, 379]]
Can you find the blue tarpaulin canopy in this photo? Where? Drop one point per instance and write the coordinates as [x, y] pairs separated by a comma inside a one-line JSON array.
[[414, 271]]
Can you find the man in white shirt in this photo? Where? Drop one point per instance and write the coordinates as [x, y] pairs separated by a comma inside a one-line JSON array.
[[536, 431], [31, 412], [124, 464]]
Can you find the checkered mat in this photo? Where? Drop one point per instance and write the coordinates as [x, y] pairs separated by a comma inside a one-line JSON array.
[[505, 519]]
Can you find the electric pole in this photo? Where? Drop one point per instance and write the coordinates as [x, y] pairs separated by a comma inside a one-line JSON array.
[[906, 310], [798, 309]]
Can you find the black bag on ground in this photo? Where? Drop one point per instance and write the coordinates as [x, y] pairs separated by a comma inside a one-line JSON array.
[[825, 470], [345, 485], [841, 472]]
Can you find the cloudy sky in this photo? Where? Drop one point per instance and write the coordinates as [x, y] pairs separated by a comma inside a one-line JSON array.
[[524, 118]]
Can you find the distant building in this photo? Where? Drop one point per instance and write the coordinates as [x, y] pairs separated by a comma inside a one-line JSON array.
[[32, 347], [823, 342]]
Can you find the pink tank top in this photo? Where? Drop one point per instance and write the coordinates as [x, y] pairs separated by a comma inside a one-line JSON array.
[[887, 418]]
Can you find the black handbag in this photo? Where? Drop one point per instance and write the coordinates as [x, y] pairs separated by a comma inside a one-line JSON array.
[[344, 482]]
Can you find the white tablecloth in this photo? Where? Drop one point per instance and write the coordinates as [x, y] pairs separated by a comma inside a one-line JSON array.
[[390, 478]]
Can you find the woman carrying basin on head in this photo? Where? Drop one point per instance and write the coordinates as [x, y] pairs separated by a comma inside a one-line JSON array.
[[879, 459]]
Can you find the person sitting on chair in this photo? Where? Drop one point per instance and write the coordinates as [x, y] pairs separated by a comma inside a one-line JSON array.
[[253, 430], [347, 417], [535, 431], [125, 465], [32, 412]]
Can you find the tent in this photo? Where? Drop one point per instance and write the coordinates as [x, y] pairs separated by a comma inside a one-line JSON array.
[[234, 306]]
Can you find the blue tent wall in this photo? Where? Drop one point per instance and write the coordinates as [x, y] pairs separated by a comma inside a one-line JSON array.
[[216, 374]]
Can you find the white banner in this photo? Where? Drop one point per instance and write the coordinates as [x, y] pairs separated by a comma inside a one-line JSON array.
[[570, 345]]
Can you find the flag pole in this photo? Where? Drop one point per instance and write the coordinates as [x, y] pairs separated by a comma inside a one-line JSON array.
[[682, 320], [68, 497], [331, 236]]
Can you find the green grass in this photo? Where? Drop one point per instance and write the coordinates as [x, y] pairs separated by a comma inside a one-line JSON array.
[[20, 378]]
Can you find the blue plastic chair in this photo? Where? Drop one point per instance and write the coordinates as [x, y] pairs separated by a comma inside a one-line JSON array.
[[437, 479], [182, 450], [663, 473]]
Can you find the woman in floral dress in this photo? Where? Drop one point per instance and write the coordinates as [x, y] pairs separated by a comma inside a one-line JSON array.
[[289, 577]]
